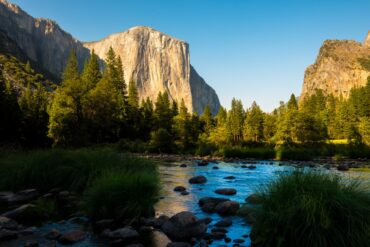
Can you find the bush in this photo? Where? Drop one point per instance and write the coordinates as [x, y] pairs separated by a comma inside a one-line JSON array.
[[294, 153], [133, 146], [122, 195], [313, 209], [248, 152]]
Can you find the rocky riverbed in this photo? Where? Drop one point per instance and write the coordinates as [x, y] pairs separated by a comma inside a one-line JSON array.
[[198, 206]]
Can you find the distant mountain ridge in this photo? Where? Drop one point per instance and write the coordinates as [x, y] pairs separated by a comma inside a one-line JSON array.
[[340, 66], [155, 61]]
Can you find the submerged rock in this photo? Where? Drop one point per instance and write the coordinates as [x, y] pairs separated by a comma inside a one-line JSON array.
[[209, 204], [198, 180], [184, 226], [53, 234], [229, 177], [227, 208], [125, 233], [6, 234], [226, 191]]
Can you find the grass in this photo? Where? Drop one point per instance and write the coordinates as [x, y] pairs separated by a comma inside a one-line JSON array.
[[96, 173], [313, 210]]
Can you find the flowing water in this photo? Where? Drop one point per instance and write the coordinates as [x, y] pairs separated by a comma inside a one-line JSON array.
[[246, 182]]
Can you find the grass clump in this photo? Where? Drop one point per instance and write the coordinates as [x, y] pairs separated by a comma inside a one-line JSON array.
[[122, 195], [248, 152], [313, 210], [111, 184]]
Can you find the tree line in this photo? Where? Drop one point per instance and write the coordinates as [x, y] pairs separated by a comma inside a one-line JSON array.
[[98, 106]]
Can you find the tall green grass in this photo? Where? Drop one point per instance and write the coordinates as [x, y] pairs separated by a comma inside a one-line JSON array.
[[248, 152], [109, 181], [313, 210]]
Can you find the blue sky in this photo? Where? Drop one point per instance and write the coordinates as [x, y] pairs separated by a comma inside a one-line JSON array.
[[251, 50]]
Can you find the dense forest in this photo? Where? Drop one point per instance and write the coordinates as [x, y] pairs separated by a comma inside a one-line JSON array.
[[98, 106]]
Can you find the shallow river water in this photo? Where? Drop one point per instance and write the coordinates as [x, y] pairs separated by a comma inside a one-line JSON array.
[[246, 182]]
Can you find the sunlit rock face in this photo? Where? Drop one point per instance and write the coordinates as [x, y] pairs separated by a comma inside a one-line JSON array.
[[158, 63], [155, 61], [337, 68]]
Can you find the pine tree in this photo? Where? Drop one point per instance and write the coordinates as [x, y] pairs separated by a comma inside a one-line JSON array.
[[133, 97], [235, 121], [163, 113], [207, 119], [91, 73], [253, 124], [181, 127]]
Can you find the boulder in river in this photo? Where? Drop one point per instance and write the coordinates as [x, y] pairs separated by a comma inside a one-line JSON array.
[[22, 196], [209, 204], [72, 237], [27, 213], [198, 180], [227, 208], [226, 191], [184, 226], [53, 234], [224, 223], [179, 188], [203, 163], [125, 233], [229, 177]]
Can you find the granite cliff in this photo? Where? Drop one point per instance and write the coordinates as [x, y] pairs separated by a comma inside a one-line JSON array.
[[155, 61], [340, 66]]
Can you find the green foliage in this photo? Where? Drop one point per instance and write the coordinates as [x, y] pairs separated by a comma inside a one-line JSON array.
[[253, 124], [115, 185], [121, 195], [312, 209], [294, 153], [248, 152], [161, 141], [235, 120]]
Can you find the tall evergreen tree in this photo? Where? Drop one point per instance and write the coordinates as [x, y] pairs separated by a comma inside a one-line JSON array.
[[235, 120], [253, 124]]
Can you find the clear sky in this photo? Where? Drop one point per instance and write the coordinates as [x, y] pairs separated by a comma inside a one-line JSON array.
[[251, 50]]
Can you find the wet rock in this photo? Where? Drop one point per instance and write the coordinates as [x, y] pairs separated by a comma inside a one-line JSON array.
[[203, 243], [6, 234], [25, 214], [28, 231], [219, 229], [229, 177], [183, 226], [244, 166], [183, 165], [145, 229], [208, 204], [252, 167], [8, 223], [245, 235], [54, 234], [224, 223], [215, 168], [207, 220], [72, 237], [135, 245], [198, 180], [218, 235], [179, 189], [226, 191], [184, 193], [160, 221], [227, 208], [178, 244], [253, 199], [125, 233], [343, 168], [19, 197], [238, 241], [103, 224], [159, 239], [203, 163], [31, 243], [227, 240]]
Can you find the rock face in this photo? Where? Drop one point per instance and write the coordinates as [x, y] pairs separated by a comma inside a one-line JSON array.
[[338, 68], [155, 61], [41, 39], [158, 62]]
